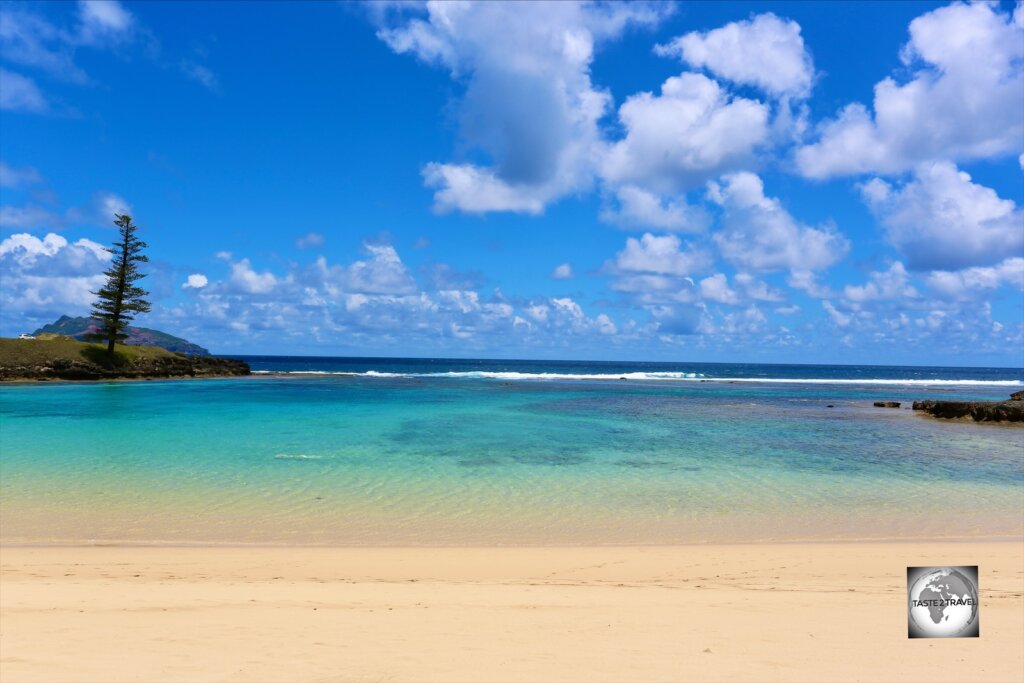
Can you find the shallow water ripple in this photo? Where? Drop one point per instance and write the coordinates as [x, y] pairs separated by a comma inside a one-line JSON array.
[[334, 459]]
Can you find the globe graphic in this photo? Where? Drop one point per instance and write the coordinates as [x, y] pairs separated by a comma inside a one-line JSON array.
[[951, 603]]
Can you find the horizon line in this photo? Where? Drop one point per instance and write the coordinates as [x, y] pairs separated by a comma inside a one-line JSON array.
[[585, 360]]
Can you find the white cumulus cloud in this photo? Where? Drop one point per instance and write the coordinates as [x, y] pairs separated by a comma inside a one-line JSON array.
[[44, 278], [694, 130], [639, 209], [102, 18], [660, 255], [972, 283], [716, 288], [382, 273], [529, 103], [195, 281], [963, 102], [941, 220], [766, 51], [758, 233], [881, 286], [757, 289], [248, 280]]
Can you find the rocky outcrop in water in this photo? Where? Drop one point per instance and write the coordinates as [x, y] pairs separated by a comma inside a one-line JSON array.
[[887, 404], [979, 411]]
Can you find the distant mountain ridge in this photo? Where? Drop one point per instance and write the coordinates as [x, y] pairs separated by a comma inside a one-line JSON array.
[[137, 336]]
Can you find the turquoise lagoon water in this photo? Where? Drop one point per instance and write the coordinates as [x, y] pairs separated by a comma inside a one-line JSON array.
[[394, 452]]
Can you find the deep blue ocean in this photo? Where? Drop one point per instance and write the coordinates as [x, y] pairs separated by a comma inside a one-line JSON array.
[[568, 369]]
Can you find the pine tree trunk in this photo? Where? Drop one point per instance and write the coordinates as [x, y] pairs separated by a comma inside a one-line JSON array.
[[121, 284]]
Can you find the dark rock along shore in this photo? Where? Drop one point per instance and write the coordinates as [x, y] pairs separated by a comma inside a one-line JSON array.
[[979, 411]]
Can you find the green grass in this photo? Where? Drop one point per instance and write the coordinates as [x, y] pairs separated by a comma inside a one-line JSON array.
[[15, 352]]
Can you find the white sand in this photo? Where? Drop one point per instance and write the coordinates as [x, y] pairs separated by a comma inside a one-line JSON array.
[[769, 612]]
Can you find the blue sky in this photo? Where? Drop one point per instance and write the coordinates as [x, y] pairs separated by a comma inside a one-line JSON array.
[[763, 182]]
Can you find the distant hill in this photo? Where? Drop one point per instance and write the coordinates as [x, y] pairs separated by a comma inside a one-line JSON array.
[[137, 336]]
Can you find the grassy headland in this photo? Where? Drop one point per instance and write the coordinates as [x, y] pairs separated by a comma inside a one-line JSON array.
[[66, 358]]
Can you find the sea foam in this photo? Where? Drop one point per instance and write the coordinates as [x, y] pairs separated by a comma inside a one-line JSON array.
[[656, 376]]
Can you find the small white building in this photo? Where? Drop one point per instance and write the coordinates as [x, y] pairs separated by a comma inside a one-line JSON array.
[[25, 336]]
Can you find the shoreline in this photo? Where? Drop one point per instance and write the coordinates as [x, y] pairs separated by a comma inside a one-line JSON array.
[[754, 612], [47, 527], [107, 380], [270, 545]]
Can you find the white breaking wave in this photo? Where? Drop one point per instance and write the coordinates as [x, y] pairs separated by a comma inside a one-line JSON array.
[[907, 382], [656, 376], [311, 372], [297, 456], [484, 374]]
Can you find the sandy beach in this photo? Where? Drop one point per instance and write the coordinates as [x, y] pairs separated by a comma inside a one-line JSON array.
[[760, 612]]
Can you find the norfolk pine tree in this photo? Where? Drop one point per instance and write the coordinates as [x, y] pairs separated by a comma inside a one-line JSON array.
[[120, 299]]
